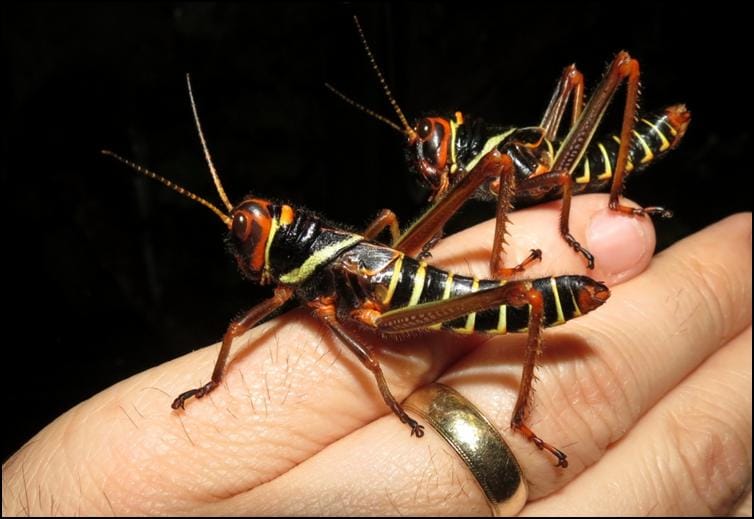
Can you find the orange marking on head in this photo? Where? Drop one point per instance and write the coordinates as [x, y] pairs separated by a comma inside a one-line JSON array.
[[286, 215]]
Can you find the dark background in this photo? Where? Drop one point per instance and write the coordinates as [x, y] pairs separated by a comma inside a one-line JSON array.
[[109, 273]]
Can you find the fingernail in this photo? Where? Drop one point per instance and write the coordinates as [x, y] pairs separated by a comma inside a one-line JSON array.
[[618, 242]]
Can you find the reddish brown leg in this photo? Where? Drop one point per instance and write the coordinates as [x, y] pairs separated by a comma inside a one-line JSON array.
[[506, 191], [534, 255], [422, 316], [431, 223], [548, 180], [514, 293], [327, 313], [565, 212], [424, 254], [533, 351], [386, 219], [572, 150], [571, 84], [630, 69], [236, 328], [426, 230]]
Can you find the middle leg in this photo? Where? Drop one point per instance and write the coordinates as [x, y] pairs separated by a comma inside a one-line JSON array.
[[326, 311]]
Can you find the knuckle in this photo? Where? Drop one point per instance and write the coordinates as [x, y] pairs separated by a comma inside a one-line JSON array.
[[713, 456]]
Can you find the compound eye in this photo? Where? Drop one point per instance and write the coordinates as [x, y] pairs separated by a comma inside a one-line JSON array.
[[241, 226], [424, 128]]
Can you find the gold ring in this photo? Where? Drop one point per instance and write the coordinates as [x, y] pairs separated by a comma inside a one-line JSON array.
[[477, 442]]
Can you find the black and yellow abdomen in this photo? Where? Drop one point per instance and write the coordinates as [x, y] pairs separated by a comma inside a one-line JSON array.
[[653, 136], [409, 282]]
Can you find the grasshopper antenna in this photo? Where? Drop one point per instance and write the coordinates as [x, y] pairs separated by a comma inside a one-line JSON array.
[[172, 185], [364, 109], [207, 156], [407, 128]]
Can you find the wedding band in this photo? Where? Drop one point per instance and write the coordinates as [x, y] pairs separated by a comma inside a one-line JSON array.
[[477, 442]]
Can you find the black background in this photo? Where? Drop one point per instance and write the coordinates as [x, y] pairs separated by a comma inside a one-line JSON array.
[[109, 273]]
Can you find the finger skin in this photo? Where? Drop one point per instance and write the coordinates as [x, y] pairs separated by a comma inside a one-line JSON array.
[[292, 394], [604, 371], [690, 455], [583, 396], [622, 246]]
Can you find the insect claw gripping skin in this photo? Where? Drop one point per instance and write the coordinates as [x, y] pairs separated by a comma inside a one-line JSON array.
[[345, 278], [198, 393], [443, 150]]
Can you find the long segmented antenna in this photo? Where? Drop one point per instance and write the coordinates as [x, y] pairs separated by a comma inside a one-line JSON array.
[[364, 109], [409, 131], [175, 187], [207, 156]]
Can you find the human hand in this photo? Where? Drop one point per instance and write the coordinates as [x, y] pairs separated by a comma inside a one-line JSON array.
[[650, 396]]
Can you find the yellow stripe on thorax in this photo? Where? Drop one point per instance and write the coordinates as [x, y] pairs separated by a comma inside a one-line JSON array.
[[321, 256], [267, 273], [453, 160]]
